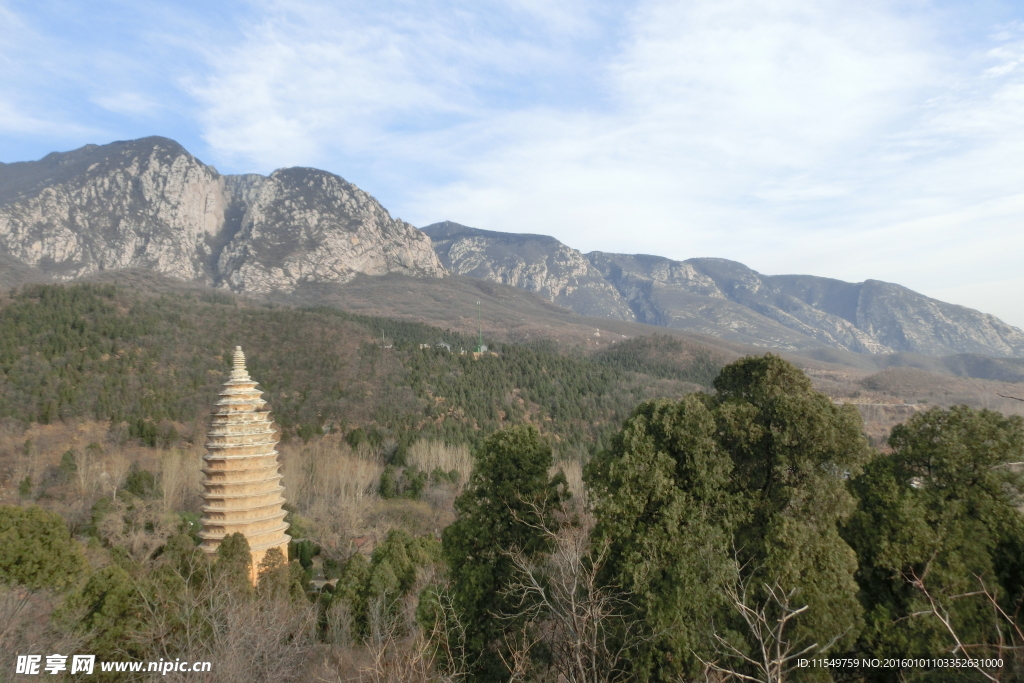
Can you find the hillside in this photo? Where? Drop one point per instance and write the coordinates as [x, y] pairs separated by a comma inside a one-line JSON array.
[[151, 362], [725, 299], [147, 352]]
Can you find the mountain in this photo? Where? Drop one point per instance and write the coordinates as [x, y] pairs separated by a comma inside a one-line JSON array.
[[726, 299], [536, 263], [149, 203]]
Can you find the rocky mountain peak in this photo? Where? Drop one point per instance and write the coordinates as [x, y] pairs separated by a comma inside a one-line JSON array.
[[149, 203], [537, 263]]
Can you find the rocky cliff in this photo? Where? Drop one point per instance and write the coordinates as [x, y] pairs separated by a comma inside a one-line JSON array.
[[726, 299], [149, 203], [533, 262]]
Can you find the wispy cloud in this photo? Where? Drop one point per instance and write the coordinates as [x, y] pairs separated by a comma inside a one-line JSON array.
[[319, 83], [132, 103], [853, 140]]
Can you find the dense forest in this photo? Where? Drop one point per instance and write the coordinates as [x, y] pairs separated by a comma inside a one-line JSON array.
[[730, 522], [150, 361]]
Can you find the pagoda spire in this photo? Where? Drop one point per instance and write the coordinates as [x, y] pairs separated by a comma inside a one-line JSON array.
[[242, 487]]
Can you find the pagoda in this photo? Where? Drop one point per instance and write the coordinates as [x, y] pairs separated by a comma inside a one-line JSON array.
[[241, 484]]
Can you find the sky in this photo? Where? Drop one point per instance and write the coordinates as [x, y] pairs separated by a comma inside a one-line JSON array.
[[853, 140]]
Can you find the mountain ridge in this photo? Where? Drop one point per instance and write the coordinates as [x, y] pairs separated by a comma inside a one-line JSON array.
[[727, 299], [150, 204]]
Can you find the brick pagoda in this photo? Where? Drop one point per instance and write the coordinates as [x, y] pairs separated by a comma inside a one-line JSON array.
[[242, 485]]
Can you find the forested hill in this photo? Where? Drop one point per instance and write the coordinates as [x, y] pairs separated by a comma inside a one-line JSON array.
[[151, 365]]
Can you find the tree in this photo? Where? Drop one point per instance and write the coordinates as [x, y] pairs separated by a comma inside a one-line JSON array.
[[373, 591], [663, 507], [745, 488], [507, 498], [234, 562], [938, 532], [108, 610], [36, 549], [280, 579], [793, 451], [586, 626]]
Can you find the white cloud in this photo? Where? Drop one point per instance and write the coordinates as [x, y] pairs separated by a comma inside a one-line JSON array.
[[14, 120], [316, 83], [132, 103], [852, 140], [844, 143]]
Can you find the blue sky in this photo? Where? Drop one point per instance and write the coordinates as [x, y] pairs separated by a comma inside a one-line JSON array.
[[850, 140]]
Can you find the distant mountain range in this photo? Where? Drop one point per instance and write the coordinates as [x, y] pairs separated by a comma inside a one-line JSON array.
[[724, 298], [150, 204]]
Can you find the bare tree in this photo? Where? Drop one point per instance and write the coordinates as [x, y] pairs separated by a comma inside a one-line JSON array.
[[448, 638], [585, 624], [774, 651], [247, 637], [1003, 650]]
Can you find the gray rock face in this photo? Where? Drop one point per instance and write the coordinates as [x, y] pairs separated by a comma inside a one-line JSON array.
[[536, 263], [149, 203], [726, 299]]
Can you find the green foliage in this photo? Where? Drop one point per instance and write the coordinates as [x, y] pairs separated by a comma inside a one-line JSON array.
[[100, 509], [747, 487], [36, 549], [108, 612], [350, 588], [304, 551], [507, 496], [374, 589], [146, 362], [792, 452], [67, 467], [388, 485], [25, 487], [661, 495], [182, 554], [438, 477], [280, 579], [661, 356], [942, 507], [140, 483], [234, 563], [356, 437], [408, 482]]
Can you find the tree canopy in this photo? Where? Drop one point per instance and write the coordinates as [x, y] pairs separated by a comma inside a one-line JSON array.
[[36, 549], [940, 514], [508, 494], [713, 498]]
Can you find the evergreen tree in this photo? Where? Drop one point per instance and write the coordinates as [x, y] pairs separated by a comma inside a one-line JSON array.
[[710, 501], [661, 497], [280, 579], [36, 549], [108, 612], [234, 563], [509, 492], [792, 451], [940, 513]]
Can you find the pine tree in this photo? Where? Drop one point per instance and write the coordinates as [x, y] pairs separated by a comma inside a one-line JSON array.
[[508, 493], [940, 514]]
